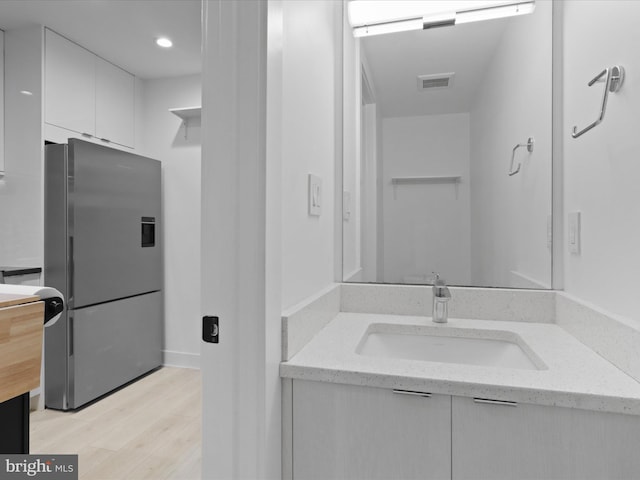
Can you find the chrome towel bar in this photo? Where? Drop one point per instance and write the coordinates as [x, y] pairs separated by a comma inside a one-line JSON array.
[[614, 79], [529, 146]]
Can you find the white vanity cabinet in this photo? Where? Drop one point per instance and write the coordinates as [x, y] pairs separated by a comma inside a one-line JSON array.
[[495, 442], [352, 432], [86, 94]]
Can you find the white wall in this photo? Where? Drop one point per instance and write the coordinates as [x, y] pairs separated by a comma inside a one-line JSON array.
[[601, 168], [426, 226], [163, 138], [311, 49], [273, 244], [509, 214]]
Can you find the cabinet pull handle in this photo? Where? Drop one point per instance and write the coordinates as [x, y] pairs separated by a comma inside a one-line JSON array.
[[488, 401], [106, 140], [409, 392], [85, 134]]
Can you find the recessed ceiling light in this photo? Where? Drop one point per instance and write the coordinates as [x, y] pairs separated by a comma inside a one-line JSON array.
[[164, 42]]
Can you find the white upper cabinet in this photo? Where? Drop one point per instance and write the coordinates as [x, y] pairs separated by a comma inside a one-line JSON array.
[[1, 103], [87, 94], [69, 85], [114, 103]]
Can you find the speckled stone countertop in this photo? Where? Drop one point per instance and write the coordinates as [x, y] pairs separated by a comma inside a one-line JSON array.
[[575, 376]]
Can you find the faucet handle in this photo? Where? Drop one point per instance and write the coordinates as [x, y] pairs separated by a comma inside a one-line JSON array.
[[440, 289]]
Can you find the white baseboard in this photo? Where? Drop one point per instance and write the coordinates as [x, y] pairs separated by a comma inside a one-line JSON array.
[[180, 359]]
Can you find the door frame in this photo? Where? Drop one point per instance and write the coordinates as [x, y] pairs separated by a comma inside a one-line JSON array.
[[240, 257]]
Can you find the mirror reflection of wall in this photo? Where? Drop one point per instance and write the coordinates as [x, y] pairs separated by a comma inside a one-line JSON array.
[[431, 120]]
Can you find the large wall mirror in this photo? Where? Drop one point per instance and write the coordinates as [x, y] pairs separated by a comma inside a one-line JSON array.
[[448, 149]]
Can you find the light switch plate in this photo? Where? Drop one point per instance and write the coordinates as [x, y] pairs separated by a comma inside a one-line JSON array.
[[574, 232], [315, 195]]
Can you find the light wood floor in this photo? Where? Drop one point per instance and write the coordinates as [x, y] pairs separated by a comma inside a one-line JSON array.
[[148, 430]]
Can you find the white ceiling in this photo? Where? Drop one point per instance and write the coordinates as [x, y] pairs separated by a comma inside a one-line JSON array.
[[121, 31], [396, 60]]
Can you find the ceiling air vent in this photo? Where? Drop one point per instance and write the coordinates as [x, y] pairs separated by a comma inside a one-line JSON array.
[[437, 81]]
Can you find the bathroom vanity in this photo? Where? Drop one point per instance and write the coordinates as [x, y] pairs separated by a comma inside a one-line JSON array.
[[358, 405], [348, 431]]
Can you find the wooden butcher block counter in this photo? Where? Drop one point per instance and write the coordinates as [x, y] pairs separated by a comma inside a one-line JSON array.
[[21, 331]]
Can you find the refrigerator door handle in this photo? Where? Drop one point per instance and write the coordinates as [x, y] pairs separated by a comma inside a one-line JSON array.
[[70, 274], [71, 336]]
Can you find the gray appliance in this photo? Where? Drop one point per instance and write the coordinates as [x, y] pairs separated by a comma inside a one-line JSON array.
[[103, 252]]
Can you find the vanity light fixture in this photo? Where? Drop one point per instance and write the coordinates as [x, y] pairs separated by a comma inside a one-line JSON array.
[[491, 13], [376, 17], [164, 42]]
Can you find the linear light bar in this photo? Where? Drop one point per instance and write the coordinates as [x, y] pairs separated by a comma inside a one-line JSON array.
[[439, 18], [389, 27], [480, 14]]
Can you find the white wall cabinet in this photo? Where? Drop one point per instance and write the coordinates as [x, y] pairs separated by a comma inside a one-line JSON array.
[[69, 85], [495, 442], [352, 432], [86, 94], [1, 103], [115, 103]]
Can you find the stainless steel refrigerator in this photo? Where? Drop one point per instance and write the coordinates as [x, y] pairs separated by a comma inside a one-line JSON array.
[[103, 252]]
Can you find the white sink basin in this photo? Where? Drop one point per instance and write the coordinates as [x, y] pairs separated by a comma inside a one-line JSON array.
[[495, 348]]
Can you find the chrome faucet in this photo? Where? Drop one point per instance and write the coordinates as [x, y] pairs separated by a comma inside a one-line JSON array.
[[441, 297]]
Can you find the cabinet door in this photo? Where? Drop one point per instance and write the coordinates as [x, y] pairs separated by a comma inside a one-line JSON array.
[[69, 85], [1, 103], [351, 432], [114, 103], [496, 442]]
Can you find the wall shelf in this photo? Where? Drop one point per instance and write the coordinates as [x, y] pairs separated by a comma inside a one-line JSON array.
[[187, 114], [429, 179]]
